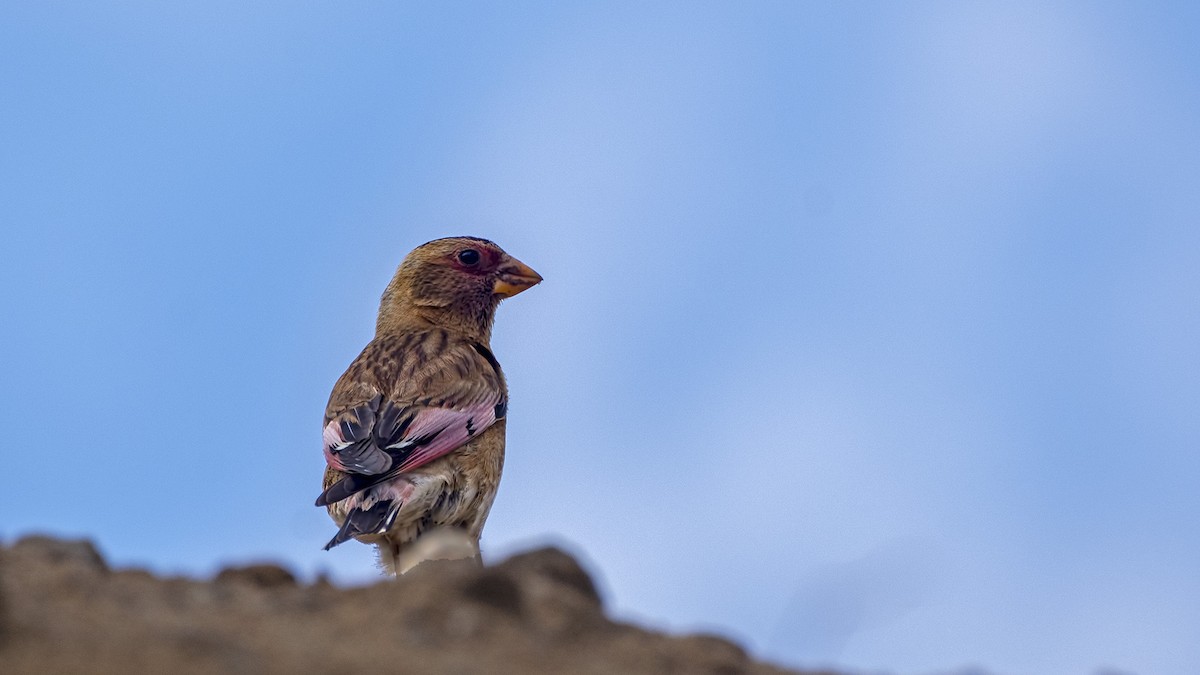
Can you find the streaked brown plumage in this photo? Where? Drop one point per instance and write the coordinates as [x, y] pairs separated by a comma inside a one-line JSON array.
[[414, 429]]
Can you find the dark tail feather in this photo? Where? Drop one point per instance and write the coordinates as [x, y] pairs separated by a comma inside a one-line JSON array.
[[350, 485], [375, 520]]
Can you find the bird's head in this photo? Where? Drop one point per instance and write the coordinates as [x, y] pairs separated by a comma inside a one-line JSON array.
[[454, 283]]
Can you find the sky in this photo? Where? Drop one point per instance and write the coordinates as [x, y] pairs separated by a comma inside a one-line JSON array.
[[869, 334]]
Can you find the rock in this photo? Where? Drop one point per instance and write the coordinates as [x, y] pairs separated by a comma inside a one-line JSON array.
[[3, 608], [495, 588], [47, 550], [557, 566], [61, 610], [262, 575], [443, 543], [712, 654]]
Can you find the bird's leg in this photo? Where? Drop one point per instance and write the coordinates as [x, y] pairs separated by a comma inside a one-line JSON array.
[[389, 552]]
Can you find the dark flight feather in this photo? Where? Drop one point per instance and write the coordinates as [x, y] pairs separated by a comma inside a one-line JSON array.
[[374, 520]]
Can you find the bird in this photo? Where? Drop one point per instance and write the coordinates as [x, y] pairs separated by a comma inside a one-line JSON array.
[[413, 433]]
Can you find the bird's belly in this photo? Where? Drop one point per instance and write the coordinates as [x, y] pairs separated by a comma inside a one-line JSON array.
[[440, 500], [454, 491]]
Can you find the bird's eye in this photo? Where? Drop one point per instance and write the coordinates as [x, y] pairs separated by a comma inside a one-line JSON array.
[[468, 257]]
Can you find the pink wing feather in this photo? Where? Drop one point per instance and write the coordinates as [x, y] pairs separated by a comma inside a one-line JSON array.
[[451, 428]]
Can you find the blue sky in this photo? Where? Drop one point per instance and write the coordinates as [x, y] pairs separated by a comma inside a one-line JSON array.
[[869, 334]]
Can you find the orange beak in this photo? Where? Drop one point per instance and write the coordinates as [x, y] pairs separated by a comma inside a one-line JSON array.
[[515, 276]]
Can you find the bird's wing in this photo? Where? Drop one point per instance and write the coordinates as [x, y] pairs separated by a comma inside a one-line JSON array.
[[349, 438], [439, 395]]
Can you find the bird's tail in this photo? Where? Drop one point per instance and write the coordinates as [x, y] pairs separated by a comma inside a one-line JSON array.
[[375, 520], [350, 485]]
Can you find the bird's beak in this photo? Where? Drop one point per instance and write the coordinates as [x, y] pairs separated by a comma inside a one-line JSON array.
[[515, 276]]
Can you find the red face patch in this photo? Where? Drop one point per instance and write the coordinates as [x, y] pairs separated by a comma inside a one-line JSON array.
[[476, 258]]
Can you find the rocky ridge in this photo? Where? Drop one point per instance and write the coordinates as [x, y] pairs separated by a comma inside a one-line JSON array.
[[64, 610]]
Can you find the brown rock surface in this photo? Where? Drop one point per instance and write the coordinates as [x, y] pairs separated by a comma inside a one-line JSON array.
[[62, 610]]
